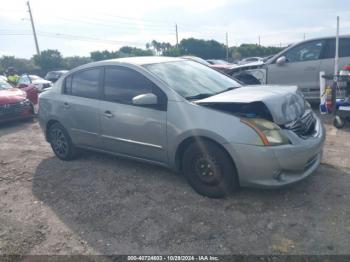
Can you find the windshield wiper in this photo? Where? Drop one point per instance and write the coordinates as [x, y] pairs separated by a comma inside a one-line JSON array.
[[198, 96], [225, 90]]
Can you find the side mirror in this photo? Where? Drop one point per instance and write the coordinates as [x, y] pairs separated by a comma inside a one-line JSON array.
[[145, 99], [281, 60]]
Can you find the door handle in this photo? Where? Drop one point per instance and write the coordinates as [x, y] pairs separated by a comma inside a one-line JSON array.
[[310, 68], [108, 114], [66, 105]]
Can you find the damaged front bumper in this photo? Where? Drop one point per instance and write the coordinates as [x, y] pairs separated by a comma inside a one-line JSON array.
[[276, 166]]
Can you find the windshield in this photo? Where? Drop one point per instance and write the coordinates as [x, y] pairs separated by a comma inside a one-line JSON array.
[[191, 79], [197, 59], [4, 85]]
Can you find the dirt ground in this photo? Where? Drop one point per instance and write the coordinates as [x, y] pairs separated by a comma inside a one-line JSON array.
[[100, 204]]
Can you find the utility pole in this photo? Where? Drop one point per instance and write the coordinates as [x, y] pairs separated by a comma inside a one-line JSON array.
[[336, 60], [304, 36], [259, 40], [33, 27], [227, 47], [177, 36]]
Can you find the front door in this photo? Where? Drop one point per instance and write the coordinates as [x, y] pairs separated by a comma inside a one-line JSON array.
[[301, 68], [137, 131]]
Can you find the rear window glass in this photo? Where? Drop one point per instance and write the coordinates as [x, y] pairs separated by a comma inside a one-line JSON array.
[[84, 83]]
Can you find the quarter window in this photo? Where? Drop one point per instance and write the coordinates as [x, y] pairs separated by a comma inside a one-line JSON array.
[[122, 85], [84, 83], [305, 52]]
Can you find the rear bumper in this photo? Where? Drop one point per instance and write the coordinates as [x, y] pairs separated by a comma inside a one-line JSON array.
[[277, 166]]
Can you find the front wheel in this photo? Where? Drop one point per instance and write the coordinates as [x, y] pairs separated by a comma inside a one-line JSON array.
[[61, 142], [338, 122], [209, 169]]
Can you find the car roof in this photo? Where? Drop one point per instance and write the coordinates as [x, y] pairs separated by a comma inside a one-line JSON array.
[[143, 60], [135, 61]]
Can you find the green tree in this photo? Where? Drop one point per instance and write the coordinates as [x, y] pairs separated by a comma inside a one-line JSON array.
[[173, 51], [49, 60], [203, 48], [22, 65], [74, 61]]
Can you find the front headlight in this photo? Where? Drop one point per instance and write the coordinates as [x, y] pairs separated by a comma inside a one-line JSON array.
[[269, 133]]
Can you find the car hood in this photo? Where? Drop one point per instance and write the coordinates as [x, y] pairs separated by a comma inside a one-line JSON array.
[[284, 103], [11, 95], [222, 66], [249, 64], [41, 81]]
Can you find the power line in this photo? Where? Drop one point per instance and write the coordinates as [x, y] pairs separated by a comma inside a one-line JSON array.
[[102, 22], [73, 37]]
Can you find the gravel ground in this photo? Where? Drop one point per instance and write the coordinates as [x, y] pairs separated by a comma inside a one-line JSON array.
[[100, 204]]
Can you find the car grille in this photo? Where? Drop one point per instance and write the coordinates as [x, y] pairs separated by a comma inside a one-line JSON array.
[[13, 110], [303, 126]]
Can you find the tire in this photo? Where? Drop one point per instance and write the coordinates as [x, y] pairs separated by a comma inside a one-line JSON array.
[[338, 122], [209, 169], [61, 142]]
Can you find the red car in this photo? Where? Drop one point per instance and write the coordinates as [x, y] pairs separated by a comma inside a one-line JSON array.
[[14, 103]]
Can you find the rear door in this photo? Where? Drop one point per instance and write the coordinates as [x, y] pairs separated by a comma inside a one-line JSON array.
[[80, 112], [327, 63], [301, 68], [137, 131]]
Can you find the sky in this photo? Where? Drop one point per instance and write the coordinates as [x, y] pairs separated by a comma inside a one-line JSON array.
[[78, 27]]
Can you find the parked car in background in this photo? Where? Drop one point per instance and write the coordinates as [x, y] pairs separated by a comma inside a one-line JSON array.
[[222, 67], [14, 103], [250, 60], [3, 78], [40, 83], [53, 76], [300, 64], [217, 62], [226, 69], [183, 115], [197, 59]]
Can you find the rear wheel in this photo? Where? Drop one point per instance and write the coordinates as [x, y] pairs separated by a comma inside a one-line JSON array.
[[61, 142], [209, 169]]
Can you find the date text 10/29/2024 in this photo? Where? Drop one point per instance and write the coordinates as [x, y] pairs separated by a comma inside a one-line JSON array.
[[173, 258]]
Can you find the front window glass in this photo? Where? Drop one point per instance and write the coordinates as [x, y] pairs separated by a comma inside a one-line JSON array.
[[191, 79], [123, 84], [305, 52]]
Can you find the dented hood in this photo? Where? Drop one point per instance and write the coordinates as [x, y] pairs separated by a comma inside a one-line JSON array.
[[285, 103]]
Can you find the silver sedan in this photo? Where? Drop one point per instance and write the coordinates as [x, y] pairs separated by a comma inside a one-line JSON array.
[[185, 116]]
